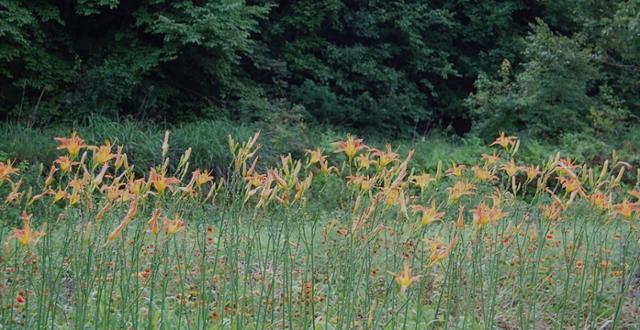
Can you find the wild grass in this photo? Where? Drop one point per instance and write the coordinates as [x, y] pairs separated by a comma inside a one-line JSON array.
[[352, 237]]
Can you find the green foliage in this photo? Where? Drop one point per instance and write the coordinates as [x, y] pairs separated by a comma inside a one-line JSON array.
[[113, 58], [613, 30], [362, 63], [551, 94], [377, 66]]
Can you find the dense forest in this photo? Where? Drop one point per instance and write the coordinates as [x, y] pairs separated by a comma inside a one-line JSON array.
[[536, 67]]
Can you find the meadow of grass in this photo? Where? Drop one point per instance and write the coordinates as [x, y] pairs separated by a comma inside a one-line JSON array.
[[344, 236]]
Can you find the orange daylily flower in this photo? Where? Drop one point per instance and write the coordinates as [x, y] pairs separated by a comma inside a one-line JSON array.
[[552, 211], [325, 168], [74, 198], [490, 160], [255, 180], [459, 189], [73, 144], [572, 186], [173, 226], [439, 251], [511, 168], [59, 195], [64, 163], [483, 215], [566, 167], [363, 160], [429, 214], [391, 197], [362, 183], [505, 141], [456, 170], [422, 180], [202, 177], [26, 236], [314, 155], [7, 170], [385, 157], [626, 209], [532, 172], [160, 182], [405, 279], [350, 146], [133, 209], [102, 154], [153, 224], [483, 174], [136, 186], [600, 201]]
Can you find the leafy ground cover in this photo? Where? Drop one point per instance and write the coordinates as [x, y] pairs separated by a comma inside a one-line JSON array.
[[342, 236]]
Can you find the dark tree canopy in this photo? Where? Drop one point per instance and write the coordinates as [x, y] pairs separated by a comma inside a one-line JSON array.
[[395, 66]]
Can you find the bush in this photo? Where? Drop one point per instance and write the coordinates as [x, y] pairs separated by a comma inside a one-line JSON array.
[[549, 96]]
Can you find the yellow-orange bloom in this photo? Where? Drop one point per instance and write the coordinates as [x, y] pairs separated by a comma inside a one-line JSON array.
[[429, 214], [405, 279], [553, 211], [511, 168], [600, 201], [314, 155], [456, 170], [364, 162], [350, 146], [385, 157], [173, 226], [422, 180], [113, 191], [439, 251], [133, 209], [572, 186], [64, 163], [73, 144], [74, 198], [202, 177], [325, 168], [26, 236], [102, 154], [482, 215], [160, 182], [59, 195], [505, 141], [482, 174], [532, 172], [153, 224], [7, 170], [391, 197], [566, 167], [362, 183], [459, 189], [626, 209], [490, 160], [136, 186]]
